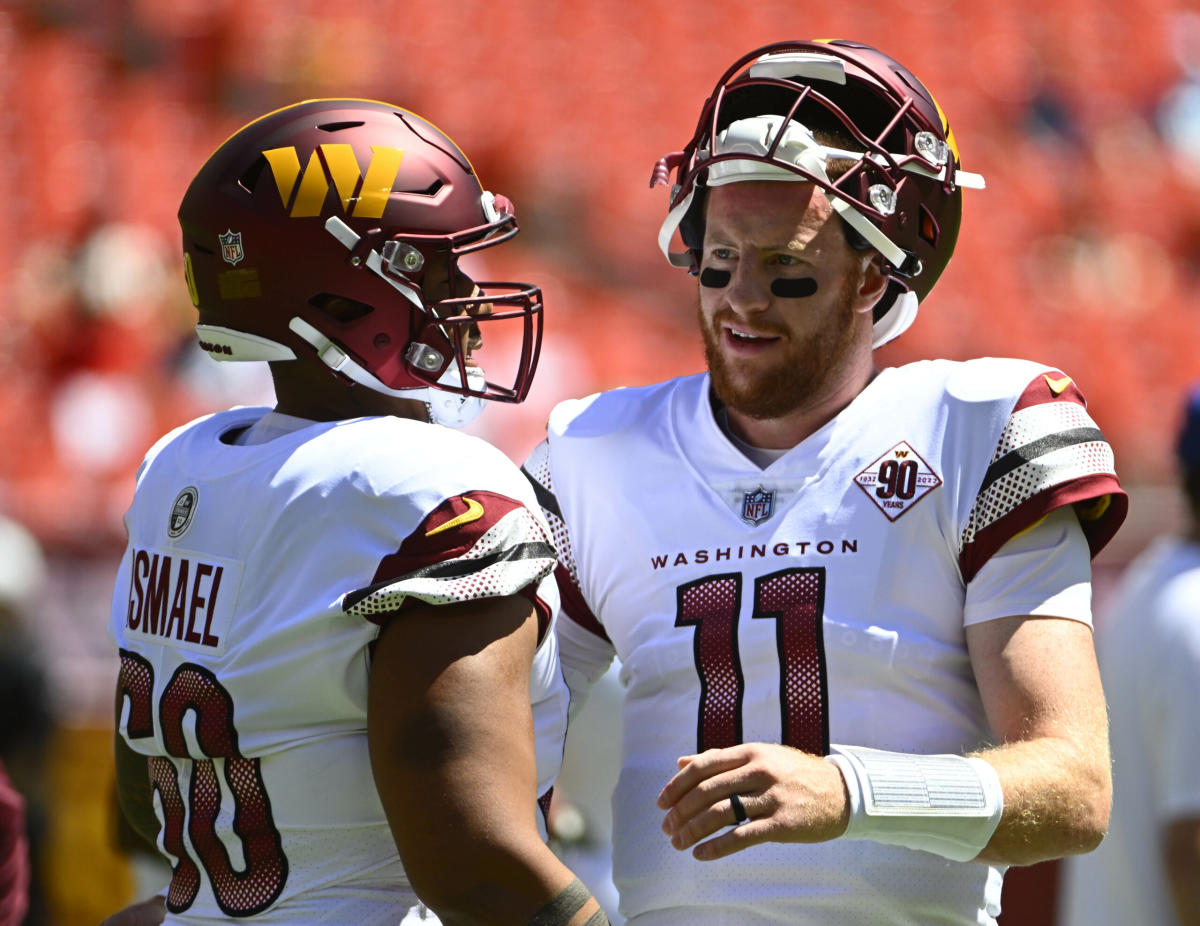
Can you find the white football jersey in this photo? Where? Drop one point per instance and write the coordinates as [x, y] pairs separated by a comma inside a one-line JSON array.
[[820, 599], [1148, 644], [245, 611]]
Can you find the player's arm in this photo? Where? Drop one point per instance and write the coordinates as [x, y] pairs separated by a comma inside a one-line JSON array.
[[148, 912], [1181, 860], [452, 748], [1043, 792], [1041, 689], [135, 797], [134, 792], [1040, 686]]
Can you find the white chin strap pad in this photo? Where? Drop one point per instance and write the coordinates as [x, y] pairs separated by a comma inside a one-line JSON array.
[[446, 408], [896, 320], [450, 408]]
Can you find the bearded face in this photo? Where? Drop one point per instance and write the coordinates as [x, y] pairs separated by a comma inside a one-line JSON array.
[[784, 307], [790, 378]]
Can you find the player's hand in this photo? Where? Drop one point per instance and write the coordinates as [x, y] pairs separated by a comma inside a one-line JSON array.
[[787, 795], [146, 913]]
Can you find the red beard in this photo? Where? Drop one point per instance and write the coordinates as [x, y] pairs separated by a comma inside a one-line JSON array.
[[783, 385]]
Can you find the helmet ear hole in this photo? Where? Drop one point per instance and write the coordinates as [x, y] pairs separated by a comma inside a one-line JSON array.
[[928, 228], [341, 309]]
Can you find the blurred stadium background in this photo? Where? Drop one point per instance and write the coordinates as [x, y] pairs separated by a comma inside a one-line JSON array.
[[1084, 252]]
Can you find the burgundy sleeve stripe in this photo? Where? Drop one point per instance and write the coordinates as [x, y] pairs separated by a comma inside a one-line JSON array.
[[458, 568], [1038, 392], [431, 541], [545, 497], [1098, 530], [1036, 448]]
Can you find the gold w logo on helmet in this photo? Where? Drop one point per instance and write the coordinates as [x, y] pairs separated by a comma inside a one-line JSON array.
[[336, 163]]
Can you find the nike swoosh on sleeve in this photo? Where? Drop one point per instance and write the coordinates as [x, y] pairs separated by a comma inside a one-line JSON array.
[[473, 513], [1056, 385]]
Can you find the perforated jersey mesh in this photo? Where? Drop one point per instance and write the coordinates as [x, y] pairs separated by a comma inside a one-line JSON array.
[[1043, 469], [537, 468]]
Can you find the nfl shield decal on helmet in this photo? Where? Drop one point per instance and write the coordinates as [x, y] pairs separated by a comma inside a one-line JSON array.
[[231, 246], [182, 512], [758, 505], [898, 480]]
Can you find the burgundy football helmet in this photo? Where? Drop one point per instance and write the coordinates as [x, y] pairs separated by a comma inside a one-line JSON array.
[[901, 194], [309, 232]]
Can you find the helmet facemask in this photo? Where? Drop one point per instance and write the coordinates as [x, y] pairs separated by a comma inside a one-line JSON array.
[[460, 327]]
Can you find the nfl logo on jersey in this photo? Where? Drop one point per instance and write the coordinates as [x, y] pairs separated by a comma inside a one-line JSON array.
[[758, 505], [231, 246]]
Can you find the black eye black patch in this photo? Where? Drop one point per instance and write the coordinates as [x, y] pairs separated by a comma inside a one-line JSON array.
[[792, 288], [717, 279]]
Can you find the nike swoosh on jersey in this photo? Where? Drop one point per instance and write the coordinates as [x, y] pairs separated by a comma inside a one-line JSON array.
[[1056, 385], [473, 513]]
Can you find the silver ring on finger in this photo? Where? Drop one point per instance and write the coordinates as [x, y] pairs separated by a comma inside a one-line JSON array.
[[739, 811]]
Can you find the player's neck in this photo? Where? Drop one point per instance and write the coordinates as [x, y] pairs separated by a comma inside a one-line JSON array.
[[789, 430]]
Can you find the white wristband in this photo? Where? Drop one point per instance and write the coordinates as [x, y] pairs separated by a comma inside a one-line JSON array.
[[944, 804]]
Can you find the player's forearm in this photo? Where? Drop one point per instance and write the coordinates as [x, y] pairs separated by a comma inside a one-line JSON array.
[[134, 793], [499, 886], [1181, 860], [1057, 797]]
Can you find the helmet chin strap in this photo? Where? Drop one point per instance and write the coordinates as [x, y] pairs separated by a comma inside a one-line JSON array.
[[445, 408], [896, 320]]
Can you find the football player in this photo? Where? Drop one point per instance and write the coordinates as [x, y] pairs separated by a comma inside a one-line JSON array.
[[1147, 870], [339, 697], [851, 605]]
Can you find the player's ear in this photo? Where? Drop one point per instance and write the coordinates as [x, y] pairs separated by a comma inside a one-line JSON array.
[[872, 282]]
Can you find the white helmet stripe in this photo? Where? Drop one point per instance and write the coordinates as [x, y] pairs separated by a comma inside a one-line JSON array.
[[789, 65], [865, 227], [349, 237]]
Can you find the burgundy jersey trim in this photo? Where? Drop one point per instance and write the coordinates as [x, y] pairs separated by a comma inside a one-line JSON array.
[[449, 548], [437, 539], [1100, 503], [458, 569], [1050, 454], [573, 605], [1041, 389]]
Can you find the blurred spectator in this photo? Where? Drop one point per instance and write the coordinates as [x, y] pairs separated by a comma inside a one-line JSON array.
[[1179, 109], [26, 722], [14, 854], [1147, 870]]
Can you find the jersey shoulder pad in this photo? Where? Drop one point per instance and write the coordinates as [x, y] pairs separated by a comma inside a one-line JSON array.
[[994, 379], [613, 411]]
